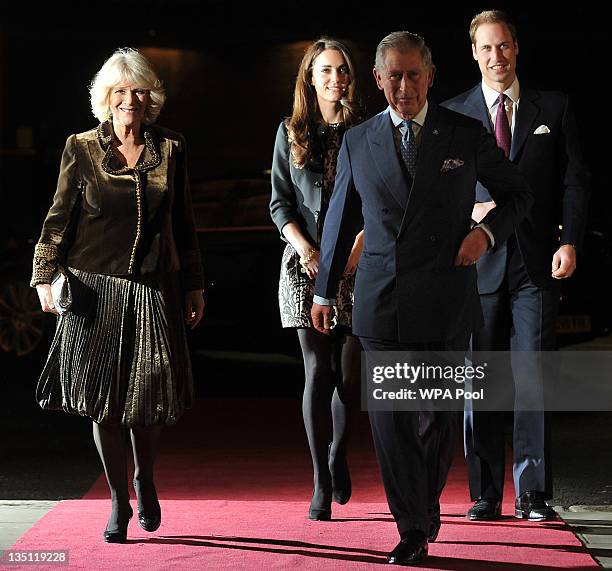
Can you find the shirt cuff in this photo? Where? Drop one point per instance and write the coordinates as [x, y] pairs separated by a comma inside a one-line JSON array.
[[485, 228], [323, 300]]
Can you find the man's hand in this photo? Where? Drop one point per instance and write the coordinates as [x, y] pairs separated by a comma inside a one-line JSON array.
[[194, 307], [474, 245], [564, 262], [322, 318], [481, 209]]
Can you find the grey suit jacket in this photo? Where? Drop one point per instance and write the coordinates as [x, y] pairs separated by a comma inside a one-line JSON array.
[[296, 193]]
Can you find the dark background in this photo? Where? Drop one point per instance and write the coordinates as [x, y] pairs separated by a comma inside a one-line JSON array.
[[229, 70]]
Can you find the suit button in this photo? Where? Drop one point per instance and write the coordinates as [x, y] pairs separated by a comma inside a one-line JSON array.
[[318, 183], [385, 211], [432, 238]]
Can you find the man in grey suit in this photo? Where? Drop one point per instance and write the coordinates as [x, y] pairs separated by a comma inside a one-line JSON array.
[[518, 281], [411, 172]]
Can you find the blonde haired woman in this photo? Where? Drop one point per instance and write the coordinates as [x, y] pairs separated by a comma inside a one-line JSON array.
[[121, 226], [303, 172]]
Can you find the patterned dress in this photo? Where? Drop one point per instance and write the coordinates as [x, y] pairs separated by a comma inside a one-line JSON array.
[[296, 289]]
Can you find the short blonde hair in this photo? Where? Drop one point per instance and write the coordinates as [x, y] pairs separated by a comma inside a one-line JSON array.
[[126, 65], [491, 17]]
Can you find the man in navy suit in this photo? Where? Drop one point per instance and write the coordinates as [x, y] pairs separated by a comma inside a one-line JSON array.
[[518, 280], [410, 173]]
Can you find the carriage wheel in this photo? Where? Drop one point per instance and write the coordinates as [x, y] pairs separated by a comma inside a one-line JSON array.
[[22, 321]]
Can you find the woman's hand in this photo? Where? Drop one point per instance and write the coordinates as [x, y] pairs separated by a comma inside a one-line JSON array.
[[46, 299], [351, 265], [353, 261], [292, 232], [194, 307], [312, 267]]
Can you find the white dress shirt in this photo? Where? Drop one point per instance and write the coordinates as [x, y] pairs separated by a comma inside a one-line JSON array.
[[512, 102]]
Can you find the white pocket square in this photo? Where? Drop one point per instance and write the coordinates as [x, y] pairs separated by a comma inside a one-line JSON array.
[[450, 164], [541, 130]]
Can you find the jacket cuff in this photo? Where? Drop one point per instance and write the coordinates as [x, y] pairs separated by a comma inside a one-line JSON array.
[[485, 228], [192, 274], [191, 281], [45, 264]]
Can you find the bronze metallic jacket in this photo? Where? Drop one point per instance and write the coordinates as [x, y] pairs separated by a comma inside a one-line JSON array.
[[111, 219]]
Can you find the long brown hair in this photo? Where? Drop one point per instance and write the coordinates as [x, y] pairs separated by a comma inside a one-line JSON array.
[[302, 124]]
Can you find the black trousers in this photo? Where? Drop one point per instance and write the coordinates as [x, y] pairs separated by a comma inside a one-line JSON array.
[[519, 317], [414, 449]]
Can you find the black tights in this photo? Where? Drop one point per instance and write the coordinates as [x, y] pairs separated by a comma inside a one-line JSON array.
[[332, 365], [111, 442]]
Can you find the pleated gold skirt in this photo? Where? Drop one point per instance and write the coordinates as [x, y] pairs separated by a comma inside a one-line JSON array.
[[127, 362]]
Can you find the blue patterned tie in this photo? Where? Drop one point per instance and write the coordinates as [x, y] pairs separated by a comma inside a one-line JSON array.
[[409, 148]]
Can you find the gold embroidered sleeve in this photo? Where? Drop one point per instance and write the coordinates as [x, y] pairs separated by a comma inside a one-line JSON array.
[[45, 264], [53, 243]]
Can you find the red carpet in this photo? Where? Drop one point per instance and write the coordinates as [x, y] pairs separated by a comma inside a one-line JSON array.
[[235, 496]]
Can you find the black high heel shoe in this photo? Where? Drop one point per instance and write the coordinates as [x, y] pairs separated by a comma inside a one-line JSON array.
[[320, 505], [341, 479], [148, 518], [118, 530]]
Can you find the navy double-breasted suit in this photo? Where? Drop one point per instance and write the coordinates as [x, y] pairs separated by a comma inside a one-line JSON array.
[[408, 292], [407, 287]]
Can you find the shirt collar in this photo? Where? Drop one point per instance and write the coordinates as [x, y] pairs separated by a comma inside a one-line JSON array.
[[419, 118], [491, 96]]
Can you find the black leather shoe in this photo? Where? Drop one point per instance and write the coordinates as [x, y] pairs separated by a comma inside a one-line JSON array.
[[320, 505], [531, 506], [116, 530], [485, 509], [410, 550], [150, 522], [149, 510], [341, 478]]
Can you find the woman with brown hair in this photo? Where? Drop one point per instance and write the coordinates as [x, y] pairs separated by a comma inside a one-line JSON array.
[[303, 173]]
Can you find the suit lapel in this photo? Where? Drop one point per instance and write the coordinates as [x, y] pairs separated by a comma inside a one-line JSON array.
[[382, 147], [433, 150], [527, 113], [475, 101], [525, 117]]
